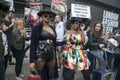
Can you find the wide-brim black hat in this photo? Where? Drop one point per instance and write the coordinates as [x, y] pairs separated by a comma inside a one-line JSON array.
[[46, 11], [4, 7], [76, 19], [86, 21]]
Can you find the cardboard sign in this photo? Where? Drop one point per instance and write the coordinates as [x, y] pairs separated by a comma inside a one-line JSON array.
[[59, 6], [36, 5], [82, 11], [31, 18]]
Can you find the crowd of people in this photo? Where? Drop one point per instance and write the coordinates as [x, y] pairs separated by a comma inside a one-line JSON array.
[[72, 46]]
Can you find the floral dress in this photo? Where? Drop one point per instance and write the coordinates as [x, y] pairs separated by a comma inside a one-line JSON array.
[[73, 56]]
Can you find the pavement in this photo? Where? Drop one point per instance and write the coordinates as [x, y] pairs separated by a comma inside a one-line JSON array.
[[10, 72]]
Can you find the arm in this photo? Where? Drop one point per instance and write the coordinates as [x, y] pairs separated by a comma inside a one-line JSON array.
[[33, 44], [6, 28]]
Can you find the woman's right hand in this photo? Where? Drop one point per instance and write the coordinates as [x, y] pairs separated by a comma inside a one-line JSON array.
[[32, 66]]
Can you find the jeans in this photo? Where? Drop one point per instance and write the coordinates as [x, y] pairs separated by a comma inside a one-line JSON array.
[[118, 74], [99, 55], [2, 69], [19, 56], [108, 58], [18, 66]]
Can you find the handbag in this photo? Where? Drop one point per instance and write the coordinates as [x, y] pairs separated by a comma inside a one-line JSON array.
[[34, 76]]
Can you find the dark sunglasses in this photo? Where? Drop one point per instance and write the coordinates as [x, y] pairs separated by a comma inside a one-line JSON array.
[[82, 25], [47, 15], [77, 23]]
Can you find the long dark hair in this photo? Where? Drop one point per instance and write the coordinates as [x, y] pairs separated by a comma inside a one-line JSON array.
[[96, 33]]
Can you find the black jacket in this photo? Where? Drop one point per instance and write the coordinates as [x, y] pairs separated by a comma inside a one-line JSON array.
[[93, 42]]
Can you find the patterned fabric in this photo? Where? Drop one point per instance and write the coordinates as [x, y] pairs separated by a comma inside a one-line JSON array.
[[73, 56]]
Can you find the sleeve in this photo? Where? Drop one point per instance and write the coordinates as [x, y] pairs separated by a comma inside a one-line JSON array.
[[33, 44]]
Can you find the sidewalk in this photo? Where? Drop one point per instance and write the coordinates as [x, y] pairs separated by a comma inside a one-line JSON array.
[[10, 72]]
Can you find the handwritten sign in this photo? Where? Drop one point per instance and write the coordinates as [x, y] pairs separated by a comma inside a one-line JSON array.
[[81, 11]]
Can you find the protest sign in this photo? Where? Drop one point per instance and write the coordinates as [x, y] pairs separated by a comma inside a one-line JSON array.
[[82, 11]]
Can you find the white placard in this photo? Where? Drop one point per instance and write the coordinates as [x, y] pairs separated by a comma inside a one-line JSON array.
[[111, 19], [82, 11]]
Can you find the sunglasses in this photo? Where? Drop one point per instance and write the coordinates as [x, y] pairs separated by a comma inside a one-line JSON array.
[[77, 23], [82, 25], [47, 15]]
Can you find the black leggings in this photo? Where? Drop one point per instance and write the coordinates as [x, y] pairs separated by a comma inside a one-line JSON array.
[[18, 66], [86, 74], [68, 74], [50, 66]]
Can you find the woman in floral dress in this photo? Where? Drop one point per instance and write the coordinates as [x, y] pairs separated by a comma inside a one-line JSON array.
[[73, 55]]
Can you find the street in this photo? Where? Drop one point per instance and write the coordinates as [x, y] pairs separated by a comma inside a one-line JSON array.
[[10, 72]]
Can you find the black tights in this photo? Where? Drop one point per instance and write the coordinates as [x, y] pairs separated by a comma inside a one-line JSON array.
[[68, 74], [50, 65], [86, 74]]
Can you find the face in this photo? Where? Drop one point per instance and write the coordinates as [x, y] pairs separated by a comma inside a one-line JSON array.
[[97, 27], [10, 15], [46, 17], [57, 19], [76, 25]]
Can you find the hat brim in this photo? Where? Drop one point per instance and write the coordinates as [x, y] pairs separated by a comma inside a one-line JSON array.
[[75, 19], [48, 12], [4, 7]]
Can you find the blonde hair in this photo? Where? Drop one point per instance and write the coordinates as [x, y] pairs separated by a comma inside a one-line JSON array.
[[19, 23]]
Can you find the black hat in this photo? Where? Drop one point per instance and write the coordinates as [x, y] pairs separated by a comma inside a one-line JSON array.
[[46, 11], [76, 19], [4, 7]]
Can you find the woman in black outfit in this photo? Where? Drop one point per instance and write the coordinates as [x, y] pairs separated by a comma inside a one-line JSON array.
[[42, 48]]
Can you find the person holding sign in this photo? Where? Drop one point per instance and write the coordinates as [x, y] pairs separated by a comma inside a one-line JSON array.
[[73, 56]]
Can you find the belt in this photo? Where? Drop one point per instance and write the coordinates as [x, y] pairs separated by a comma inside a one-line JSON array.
[[48, 41]]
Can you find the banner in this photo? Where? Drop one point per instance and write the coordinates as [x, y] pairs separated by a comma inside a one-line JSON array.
[[59, 6], [30, 16], [36, 5], [82, 11], [111, 19]]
